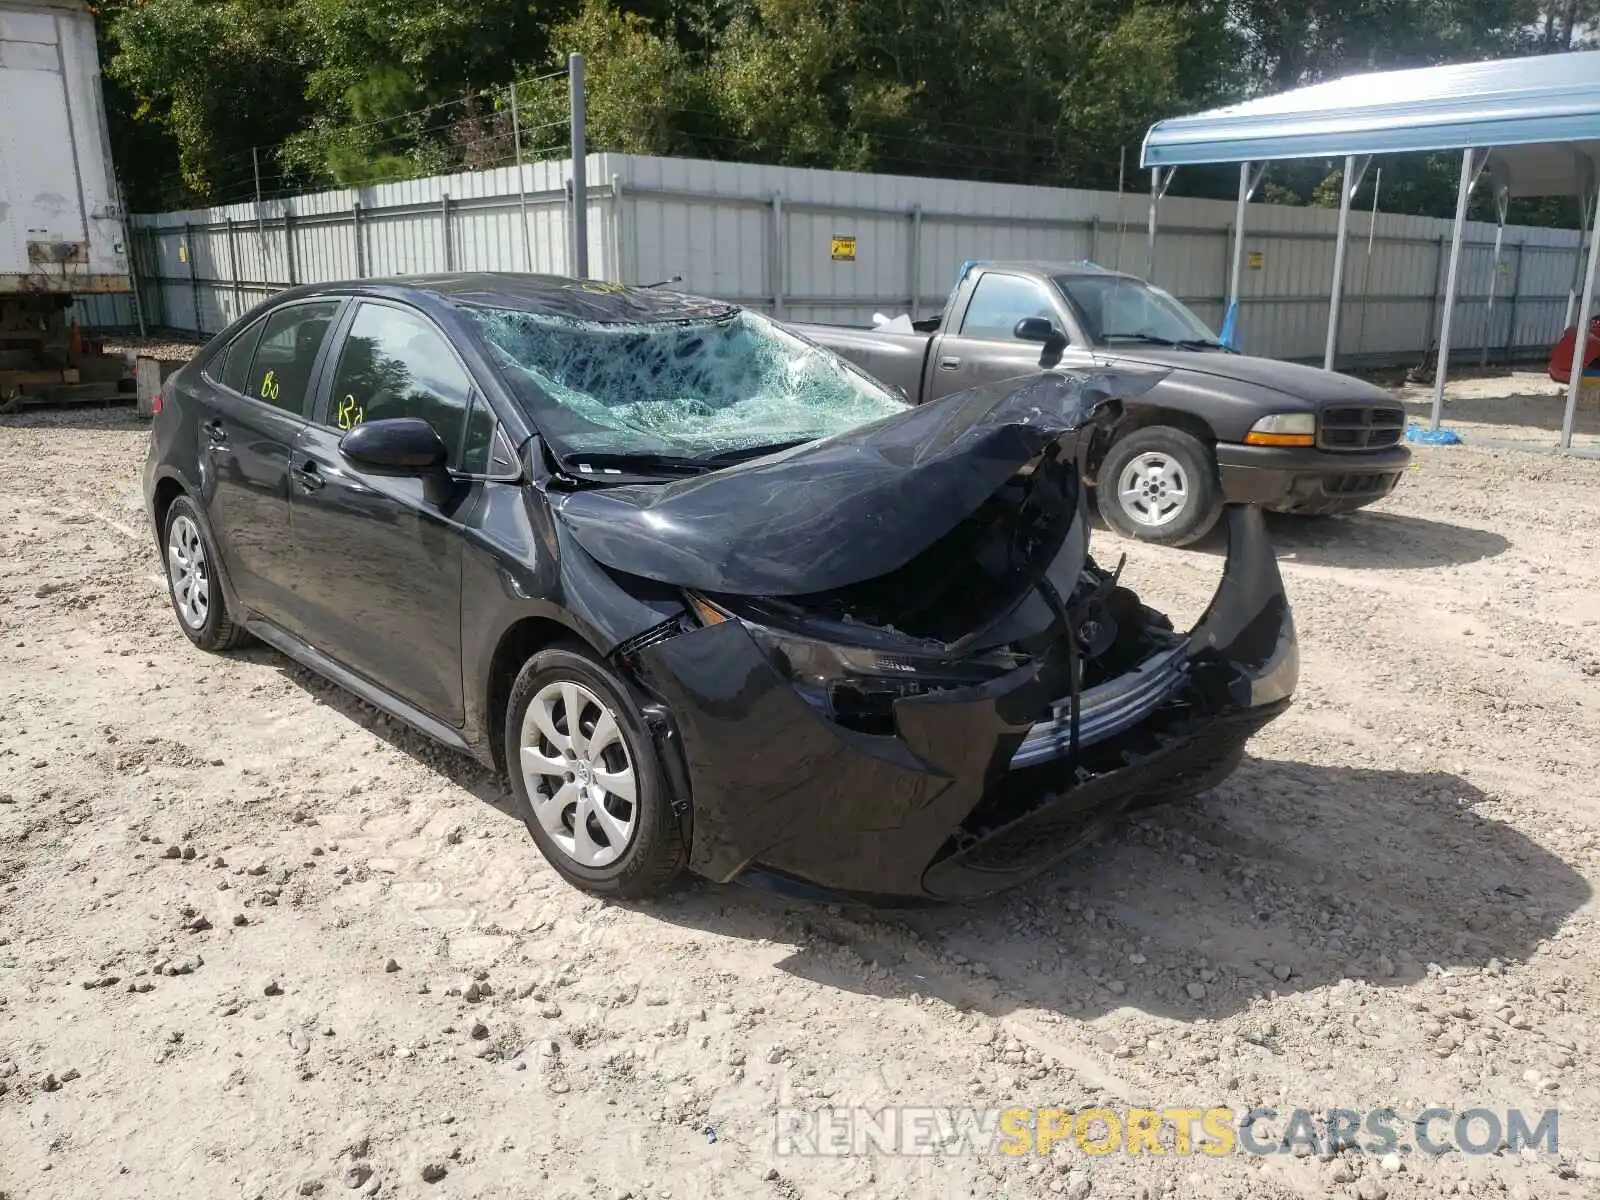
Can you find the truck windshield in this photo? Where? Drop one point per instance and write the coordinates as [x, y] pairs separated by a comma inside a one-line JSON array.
[[1115, 309], [681, 390]]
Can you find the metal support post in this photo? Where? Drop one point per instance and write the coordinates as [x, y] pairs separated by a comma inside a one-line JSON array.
[[444, 232], [1249, 179], [914, 280], [775, 256], [1516, 294], [361, 248], [580, 184], [1585, 216], [1471, 163], [522, 185], [1355, 169], [290, 250], [1580, 347], [1160, 181], [1502, 204]]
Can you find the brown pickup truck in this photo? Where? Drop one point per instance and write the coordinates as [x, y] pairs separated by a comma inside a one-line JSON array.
[[1222, 427]]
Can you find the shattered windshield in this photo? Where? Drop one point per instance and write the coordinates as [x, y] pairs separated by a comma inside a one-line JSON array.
[[1114, 308], [685, 389]]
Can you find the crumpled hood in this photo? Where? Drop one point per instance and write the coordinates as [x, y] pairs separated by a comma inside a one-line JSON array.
[[843, 509], [1292, 379]]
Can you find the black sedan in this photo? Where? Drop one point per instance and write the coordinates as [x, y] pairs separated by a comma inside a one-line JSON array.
[[710, 596]]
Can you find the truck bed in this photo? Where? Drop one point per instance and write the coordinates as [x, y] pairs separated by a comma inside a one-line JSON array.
[[896, 359]]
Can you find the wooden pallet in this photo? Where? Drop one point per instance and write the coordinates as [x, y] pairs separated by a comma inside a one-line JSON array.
[[60, 392]]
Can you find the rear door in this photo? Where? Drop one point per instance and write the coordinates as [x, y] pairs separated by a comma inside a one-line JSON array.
[[378, 557], [981, 348], [258, 396]]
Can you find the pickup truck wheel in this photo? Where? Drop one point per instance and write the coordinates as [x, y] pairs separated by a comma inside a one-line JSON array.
[[1159, 484]]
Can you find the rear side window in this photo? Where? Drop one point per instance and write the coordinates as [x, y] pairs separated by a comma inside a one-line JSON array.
[[394, 363], [280, 372], [234, 362], [999, 302]]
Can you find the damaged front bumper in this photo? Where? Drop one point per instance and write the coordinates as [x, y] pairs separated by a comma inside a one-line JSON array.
[[975, 792]]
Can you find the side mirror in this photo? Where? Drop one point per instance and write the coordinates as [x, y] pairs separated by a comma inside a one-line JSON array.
[[1041, 330], [396, 445]]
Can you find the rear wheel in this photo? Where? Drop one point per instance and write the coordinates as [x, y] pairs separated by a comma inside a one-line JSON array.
[[587, 777], [192, 582], [1159, 484]]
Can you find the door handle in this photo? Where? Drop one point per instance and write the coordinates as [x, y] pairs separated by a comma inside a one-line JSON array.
[[949, 363], [216, 434], [307, 476]]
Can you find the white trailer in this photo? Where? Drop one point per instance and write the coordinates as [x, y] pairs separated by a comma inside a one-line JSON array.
[[61, 231]]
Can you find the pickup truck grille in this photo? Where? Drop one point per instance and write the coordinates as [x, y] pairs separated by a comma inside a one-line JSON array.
[[1360, 427]]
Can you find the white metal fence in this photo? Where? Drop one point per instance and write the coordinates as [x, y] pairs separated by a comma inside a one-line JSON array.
[[836, 246]]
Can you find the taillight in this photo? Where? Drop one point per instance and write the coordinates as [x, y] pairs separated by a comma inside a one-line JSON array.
[[155, 404]]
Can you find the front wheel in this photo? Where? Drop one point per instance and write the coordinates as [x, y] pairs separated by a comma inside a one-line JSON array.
[[1159, 484], [587, 777]]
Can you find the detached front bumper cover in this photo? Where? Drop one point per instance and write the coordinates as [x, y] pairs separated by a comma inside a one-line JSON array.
[[974, 792]]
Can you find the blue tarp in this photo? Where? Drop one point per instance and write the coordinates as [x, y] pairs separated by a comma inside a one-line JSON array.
[[1432, 437]]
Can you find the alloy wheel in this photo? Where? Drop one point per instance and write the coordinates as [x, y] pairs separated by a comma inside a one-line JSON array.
[[1153, 489], [188, 571], [579, 774]]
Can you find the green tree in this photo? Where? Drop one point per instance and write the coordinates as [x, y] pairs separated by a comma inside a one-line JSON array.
[[215, 78]]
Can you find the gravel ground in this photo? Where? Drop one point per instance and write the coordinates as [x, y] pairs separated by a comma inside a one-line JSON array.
[[257, 941]]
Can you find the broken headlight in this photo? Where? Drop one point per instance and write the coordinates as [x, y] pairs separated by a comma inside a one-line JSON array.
[[856, 686]]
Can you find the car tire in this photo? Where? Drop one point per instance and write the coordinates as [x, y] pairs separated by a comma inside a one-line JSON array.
[[1148, 469], [193, 587], [597, 805]]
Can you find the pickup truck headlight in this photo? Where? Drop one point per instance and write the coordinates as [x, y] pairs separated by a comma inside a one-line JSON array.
[[1283, 429]]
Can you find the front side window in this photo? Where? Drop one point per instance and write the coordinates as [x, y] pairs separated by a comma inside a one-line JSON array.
[[395, 363], [280, 370], [1115, 309], [696, 388], [999, 302]]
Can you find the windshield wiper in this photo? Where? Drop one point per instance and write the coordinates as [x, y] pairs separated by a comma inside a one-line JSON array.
[[1148, 338], [1203, 344], [591, 466], [747, 452]]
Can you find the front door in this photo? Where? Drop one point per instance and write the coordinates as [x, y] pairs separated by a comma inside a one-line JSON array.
[[379, 556], [985, 349], [258, 394]]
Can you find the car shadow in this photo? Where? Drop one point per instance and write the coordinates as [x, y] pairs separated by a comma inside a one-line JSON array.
[[1367, 539], [465, 772], [1290, 876]]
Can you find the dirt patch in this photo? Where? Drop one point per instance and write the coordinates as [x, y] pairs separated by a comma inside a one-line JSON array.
[[257, 940]]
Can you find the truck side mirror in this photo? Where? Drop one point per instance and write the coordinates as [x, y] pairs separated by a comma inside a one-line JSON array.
[[1041, 330]]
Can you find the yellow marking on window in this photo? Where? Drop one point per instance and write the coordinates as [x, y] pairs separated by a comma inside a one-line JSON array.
[[269, 386], [350, 414]]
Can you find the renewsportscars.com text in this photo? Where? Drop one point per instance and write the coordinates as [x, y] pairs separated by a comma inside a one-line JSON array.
[[844, 1131]]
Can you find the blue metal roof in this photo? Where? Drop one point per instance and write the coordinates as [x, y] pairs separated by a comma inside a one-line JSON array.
[[1544, 100]]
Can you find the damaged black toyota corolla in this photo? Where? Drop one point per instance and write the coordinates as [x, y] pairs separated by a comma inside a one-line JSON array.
[[710, 596]]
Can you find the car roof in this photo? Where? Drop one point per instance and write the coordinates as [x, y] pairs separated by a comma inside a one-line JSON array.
[[544, 295], [1081, 267]]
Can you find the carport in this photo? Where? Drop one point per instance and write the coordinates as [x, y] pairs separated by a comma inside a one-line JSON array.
[[1530, 125]]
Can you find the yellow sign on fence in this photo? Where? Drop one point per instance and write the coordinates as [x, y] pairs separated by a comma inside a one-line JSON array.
[[844, 249], [1257, 260]]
